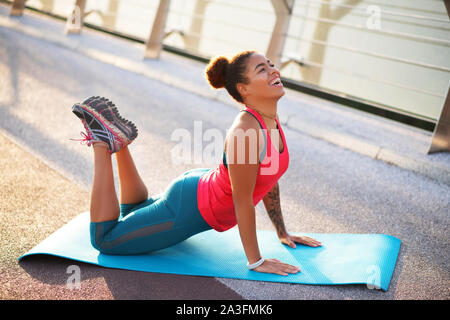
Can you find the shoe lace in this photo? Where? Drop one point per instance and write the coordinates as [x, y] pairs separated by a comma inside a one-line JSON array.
[[87, 138]]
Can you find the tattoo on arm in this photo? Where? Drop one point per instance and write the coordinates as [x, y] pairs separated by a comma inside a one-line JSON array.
[[272, 203]]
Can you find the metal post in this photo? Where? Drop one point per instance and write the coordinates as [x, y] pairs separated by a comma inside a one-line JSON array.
[[192, 41], [17, 8], [441, 135], [47, 5], [109, 20], [75, 20], [283, 11], [321, 33], [154, 42]]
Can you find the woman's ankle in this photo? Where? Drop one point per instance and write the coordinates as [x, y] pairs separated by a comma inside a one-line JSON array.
[[99, 144]]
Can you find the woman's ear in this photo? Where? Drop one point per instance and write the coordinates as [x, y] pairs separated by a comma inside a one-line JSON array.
[[242, 89]]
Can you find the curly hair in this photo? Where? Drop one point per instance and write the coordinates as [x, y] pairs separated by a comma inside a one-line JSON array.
[[222, 72]]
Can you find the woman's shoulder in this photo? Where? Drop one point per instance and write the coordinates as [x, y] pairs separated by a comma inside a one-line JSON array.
[[245, 121], [245, 125]]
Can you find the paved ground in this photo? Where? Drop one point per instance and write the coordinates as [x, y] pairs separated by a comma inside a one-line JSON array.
[[45, 178], [37, 200]]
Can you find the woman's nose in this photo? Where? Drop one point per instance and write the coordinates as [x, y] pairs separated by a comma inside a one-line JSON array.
[[274, 70]]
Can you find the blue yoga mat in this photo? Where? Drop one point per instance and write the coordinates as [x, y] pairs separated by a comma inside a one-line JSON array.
[[343, 258]]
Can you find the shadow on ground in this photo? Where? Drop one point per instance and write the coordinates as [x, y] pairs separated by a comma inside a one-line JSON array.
[[125, 284]]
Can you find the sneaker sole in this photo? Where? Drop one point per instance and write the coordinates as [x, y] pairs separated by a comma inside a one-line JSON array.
[[127, 136], [108, 111]]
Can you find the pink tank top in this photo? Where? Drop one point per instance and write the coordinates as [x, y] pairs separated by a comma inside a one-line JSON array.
[[214, 195]]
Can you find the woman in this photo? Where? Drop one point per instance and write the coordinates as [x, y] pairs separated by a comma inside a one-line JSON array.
[[199, 199]]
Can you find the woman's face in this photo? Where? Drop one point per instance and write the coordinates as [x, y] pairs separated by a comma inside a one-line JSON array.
[[263, 80]]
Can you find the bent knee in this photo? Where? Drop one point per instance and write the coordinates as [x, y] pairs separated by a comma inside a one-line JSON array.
[[98, 232]]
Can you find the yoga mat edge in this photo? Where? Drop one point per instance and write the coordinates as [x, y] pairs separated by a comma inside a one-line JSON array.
[[368, 259]]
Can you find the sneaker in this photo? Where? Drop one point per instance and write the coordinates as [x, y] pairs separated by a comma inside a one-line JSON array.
[[102, 122]]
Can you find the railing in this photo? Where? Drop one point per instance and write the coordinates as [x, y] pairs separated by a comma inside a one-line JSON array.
[[387, 58]]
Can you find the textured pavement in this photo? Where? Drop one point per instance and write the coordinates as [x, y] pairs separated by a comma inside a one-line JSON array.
[[36, 201], [45, 178]]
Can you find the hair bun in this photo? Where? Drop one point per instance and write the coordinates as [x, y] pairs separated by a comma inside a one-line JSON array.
[[216, 70]]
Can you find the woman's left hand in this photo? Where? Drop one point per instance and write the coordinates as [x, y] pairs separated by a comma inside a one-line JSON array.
[[307, 241]]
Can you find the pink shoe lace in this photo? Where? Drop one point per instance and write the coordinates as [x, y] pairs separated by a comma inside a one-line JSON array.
[[88, 139]]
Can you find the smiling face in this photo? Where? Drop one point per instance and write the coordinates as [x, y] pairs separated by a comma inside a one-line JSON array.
[[263, 80]]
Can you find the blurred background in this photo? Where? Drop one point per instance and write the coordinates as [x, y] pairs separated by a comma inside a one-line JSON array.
[[391, 55]]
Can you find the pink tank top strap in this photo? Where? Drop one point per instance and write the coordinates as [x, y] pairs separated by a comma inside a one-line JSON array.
[[282, 134], [214, 192], [263, 125], [267, 142], [257, 116]]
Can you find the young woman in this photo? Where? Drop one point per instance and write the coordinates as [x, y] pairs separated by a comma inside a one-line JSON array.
[[199, 199]]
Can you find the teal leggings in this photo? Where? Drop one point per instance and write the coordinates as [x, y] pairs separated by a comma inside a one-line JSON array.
[[157, 223]]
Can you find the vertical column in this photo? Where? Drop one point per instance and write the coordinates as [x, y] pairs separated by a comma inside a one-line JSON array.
[[441, 135], [109, 19], [283, 11], [47, 5], [75, 20], [192, 40], [154, 42], [17, 8]]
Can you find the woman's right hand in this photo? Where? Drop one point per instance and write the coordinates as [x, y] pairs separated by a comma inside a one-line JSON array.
[[277, 267]]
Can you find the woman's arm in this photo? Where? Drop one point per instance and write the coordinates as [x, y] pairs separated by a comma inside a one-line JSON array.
[[245, 214], [243, 174], [243, 171], [272, 203]]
